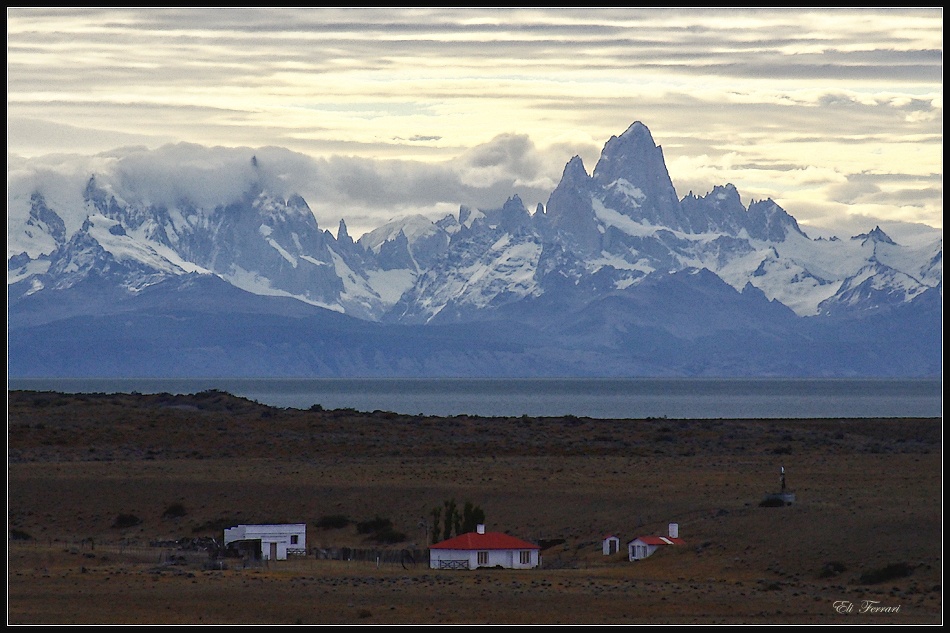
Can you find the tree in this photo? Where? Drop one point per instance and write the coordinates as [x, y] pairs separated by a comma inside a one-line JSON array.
[[472, 517], [436, 515], [455, 522], [450, 513]]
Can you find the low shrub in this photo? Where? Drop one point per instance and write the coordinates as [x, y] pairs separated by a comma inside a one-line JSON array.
[[377, 524], [889, 572], [388, 536], [174, 511], [832, 569], [126, 521], [333, 522]]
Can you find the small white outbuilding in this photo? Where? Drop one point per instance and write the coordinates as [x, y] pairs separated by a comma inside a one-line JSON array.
[[611, 544], [277, 541]]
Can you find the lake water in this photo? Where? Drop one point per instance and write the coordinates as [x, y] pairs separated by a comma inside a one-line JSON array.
[[686, 398]]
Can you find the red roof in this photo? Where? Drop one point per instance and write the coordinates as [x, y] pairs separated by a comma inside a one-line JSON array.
[[660, 540], [488, 540]]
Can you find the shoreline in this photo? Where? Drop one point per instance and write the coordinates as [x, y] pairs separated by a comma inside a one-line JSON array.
[[603, 403]]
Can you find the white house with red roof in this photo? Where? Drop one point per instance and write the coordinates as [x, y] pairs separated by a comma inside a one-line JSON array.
[[484, 549], [611, 544], [644, 546]]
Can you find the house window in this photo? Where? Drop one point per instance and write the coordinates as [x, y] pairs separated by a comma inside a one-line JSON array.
[[483, 558], [293, 539], [526, 558]]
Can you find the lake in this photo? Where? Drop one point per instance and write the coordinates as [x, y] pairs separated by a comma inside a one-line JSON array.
[[678, 398]]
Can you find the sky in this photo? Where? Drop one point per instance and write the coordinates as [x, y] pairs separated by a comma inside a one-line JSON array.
[[377, 113]]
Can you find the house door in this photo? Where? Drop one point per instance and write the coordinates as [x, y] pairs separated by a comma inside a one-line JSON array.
[[612, 547], [273, 551]]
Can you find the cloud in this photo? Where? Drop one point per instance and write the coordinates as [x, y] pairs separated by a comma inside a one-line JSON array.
[[851, 191], [505, 158], [482, 177], [363, 192], [406, 110], [367, 193], [40, 137]]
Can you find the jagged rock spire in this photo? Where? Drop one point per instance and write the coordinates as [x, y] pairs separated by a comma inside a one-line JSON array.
[[632, 173], [342, 235], [569, 209]]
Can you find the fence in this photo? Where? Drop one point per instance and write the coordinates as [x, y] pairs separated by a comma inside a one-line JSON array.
[[197, 550], [375, 555]]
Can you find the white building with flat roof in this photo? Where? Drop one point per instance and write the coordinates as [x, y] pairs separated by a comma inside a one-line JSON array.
[[277, 541]]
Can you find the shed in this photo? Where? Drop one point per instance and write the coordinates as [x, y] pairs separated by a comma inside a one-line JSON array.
[[644, 546], [277, 541], [484, 549], [611, 544]]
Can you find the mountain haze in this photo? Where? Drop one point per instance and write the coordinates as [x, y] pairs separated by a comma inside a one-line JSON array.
[[615, 276]]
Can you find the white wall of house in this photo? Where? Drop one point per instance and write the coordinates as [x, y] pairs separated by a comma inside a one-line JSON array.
[[611, 545], [277, 540], [638, 550], [472, 559]]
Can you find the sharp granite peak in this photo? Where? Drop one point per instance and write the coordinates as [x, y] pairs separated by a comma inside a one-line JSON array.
[[615, 264]]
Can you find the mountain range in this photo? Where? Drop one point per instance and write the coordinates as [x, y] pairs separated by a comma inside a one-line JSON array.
[[615, 276]]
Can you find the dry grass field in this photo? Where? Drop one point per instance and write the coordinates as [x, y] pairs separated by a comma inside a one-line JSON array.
[[866, 526]]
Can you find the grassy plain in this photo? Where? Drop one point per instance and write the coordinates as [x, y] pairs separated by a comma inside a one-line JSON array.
[[866, 524]]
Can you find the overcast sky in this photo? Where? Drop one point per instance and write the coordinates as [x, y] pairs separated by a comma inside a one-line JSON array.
[[836, 114]]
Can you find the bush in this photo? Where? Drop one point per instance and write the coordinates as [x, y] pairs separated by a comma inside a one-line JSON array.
[[333, 522], [772, 502], [20, 535], [174, 511], [380, 530], [890, 572], [377, 524], [832, 569], [126, 521], [388, 536]]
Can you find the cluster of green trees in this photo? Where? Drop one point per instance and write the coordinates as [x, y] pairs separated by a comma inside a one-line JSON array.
[[449, 521]]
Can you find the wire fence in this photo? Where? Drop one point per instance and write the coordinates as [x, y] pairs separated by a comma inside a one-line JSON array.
[[208, 556]]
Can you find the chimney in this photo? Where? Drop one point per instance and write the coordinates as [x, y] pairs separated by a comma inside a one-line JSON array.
[[674, 530], [480, 528]]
